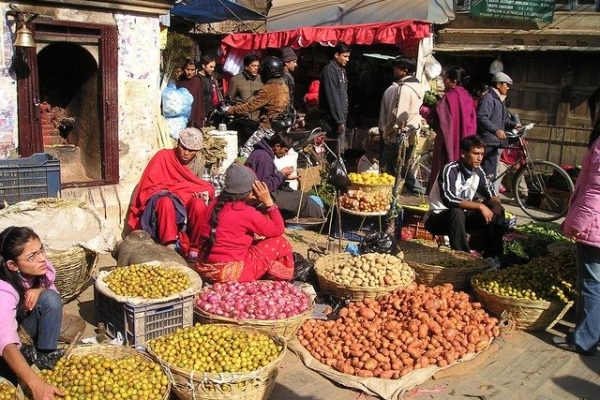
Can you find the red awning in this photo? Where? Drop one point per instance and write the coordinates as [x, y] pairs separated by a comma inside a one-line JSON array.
[[403, 34]]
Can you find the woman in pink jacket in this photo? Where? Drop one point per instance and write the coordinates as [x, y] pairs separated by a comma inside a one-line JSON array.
[[583, 224], [28, 298]]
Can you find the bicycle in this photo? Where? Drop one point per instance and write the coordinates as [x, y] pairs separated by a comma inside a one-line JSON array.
[[542, 189]]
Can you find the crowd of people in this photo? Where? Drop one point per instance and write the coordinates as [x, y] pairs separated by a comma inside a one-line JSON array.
[[238, 235]]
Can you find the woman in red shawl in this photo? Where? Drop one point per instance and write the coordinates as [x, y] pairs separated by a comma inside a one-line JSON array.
[[455, 118], [170, 199]]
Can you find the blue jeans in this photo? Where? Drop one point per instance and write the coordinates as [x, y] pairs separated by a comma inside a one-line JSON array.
[[587, 329], [44, 322]]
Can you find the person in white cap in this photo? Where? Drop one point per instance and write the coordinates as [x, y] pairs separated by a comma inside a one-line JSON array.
[[493, 120]]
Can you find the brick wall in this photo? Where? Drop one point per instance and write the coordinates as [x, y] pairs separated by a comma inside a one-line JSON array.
[[50, 117]]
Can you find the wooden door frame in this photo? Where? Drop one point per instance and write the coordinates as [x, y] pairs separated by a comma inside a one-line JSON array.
[[30, 128]]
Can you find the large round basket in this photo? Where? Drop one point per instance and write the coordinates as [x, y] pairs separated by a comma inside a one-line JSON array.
[[73, 233], [432, 265], [5, 382], [114, 352], [74, 268], [529, 315], [197, 385], [340, 290], [365, 187], [285, 327]]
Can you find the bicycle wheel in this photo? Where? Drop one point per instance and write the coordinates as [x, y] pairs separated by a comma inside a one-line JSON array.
[[421, 168], [543, 190]]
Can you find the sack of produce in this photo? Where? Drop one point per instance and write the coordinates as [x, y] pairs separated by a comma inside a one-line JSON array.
[[176, 102], [207, 362], [175, 125], [275, 306], [366, 276], [389, 345]]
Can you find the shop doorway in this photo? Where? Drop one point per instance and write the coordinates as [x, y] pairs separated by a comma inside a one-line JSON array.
[[69, 109], [68, 100]]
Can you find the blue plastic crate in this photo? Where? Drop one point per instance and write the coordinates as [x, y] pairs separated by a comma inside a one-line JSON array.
[[29, 178]]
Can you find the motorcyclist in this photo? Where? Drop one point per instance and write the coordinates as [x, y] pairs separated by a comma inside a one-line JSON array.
[[271, 101]]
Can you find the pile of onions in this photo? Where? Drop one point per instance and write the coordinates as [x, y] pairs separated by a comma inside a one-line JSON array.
[[409, 329], [265, 300]]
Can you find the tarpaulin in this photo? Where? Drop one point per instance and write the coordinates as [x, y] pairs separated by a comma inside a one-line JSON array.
[[207, 11], [404, 34]]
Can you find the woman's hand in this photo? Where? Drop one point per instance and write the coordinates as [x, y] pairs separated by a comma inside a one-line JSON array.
[[44, 391], [261, 192], [31, 298]]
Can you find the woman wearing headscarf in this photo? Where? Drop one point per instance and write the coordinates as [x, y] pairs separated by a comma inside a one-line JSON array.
[[455, 118]]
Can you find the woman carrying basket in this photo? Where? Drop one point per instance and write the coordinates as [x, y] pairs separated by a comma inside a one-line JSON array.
[[242, 243], [28, 298]]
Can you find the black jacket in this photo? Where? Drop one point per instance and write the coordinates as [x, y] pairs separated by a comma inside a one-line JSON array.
[[333, 92]]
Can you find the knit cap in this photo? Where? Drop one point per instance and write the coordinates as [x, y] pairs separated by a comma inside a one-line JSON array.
[[287, 55], [191, 138], [502, 77], [239, 179]]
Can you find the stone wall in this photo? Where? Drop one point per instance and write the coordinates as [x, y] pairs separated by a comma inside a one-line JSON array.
[[138, 96], [8, 89]]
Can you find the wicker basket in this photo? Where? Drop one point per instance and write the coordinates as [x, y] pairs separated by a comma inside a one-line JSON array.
[[195, 385], [285, 327], [18, 393], [425, 261], [355, 293], [529, 315], [114, 352], [74, 268]]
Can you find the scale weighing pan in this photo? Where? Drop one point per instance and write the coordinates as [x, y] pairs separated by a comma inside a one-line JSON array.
[[306, 221]]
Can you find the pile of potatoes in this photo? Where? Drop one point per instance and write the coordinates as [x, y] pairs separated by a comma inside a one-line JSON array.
[[372, 270]]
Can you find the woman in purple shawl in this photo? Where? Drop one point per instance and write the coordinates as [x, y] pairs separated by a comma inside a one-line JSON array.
[[455, 118]]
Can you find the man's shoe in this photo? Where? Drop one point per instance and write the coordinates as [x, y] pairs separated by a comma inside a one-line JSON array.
[[565, 343]]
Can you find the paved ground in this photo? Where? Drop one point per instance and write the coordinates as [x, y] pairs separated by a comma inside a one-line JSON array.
[[527, 367]]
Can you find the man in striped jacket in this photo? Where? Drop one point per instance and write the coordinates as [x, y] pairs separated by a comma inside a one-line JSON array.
[[453, 210]]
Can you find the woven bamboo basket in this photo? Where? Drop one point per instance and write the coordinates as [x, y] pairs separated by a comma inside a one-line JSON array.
[[428, 264], [197, 385], [5, 382], [529, 315], [113, 352], [355, 293], [74, 268], [285, 327]]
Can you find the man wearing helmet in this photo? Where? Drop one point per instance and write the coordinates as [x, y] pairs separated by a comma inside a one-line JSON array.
[[270, 101]]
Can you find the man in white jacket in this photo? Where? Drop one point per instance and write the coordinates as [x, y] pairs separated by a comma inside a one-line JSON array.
[[400, 111]]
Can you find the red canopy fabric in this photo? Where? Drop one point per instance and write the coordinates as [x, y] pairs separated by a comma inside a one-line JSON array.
[[404, 34]]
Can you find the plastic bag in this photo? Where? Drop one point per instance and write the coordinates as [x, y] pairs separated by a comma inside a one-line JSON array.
[[176, 125], [378, 242], [176, 102], [338, 175], [304, 270], [432, 68]]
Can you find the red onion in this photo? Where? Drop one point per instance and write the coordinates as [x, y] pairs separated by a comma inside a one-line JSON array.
[[264, 300]]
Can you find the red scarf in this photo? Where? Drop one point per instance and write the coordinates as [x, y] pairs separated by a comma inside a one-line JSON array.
[[165, 172]]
